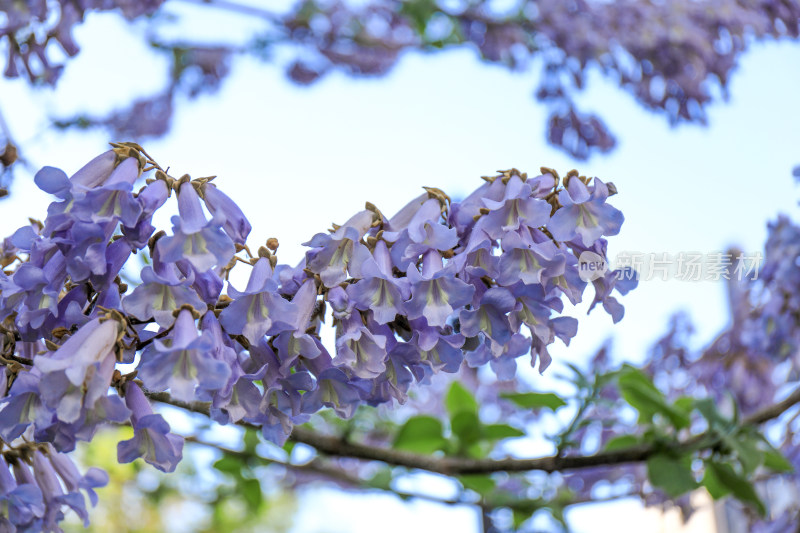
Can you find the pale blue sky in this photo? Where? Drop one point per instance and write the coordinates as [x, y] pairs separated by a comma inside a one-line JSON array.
[[297, 159]]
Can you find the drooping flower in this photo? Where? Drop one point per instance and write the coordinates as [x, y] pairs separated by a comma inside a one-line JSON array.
[[333, 390], [258, 310], [183, 361], [436, 292], [529, 261], [515, 209], [195, 239], [425, 232], [152, 439], [333, 254], [23, 501], [490, 316], [360, 348], [379, 291], [159, 296], [584, 213], [235, 223], [23, 406]]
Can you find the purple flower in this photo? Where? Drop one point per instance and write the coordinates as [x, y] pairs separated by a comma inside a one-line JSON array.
[[425, 232], [584, 213], [53, 493], [159, 296], [333, 390], [477, 259], [195, 239], [333, 254], [53, 181], [151, 198], [40, 286], [490, 316], [515, 209], [620, 280], [280, 406], [529, 261], [72, 478], [504, 363], [84, 247], [89, 346], [361, 349], [151, 437], [259, 310], [24, 500], [23, 406], [96, 171], [183, 361], [436, 292], [112, 200], [379, 291], [442, 353], [235, 223]]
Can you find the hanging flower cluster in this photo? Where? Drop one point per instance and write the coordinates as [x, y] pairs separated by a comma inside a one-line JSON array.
[[435, 286]]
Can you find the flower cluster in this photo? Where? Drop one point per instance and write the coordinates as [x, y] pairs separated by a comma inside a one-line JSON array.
[[435, 286], [672, 57]]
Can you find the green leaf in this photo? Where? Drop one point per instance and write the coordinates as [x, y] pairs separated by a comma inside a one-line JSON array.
[[420, 434], [229, 464], [519, 517], [288, 446], [737, 484], [382, 479], [481, 484], [419, 13], [478, 450], [459, 399], [501, 431], [250, 489], [672, 475], [708, 408], [639, 391], [250, 441], [684, 403], [467, 427], [746, 449], [713, 485], [536, 400], [579, 379], [621, 442], [775, 461]]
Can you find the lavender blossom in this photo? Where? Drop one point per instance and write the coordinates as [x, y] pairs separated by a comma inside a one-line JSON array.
[[584, 213], [199, 241], [151, 437], [183, 362]]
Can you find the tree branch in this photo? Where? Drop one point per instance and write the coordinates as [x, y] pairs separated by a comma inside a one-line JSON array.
[[331, 472], [451, 466], [339, 475]]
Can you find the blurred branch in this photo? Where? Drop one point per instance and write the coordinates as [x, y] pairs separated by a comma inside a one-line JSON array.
[[237, 8], [319, 467], [451, 466], [339, 475]]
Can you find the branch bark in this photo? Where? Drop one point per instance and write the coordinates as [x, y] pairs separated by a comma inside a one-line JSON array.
[[453, 466]]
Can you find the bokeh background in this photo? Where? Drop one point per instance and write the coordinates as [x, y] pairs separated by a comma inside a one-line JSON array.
[[298, 158]]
